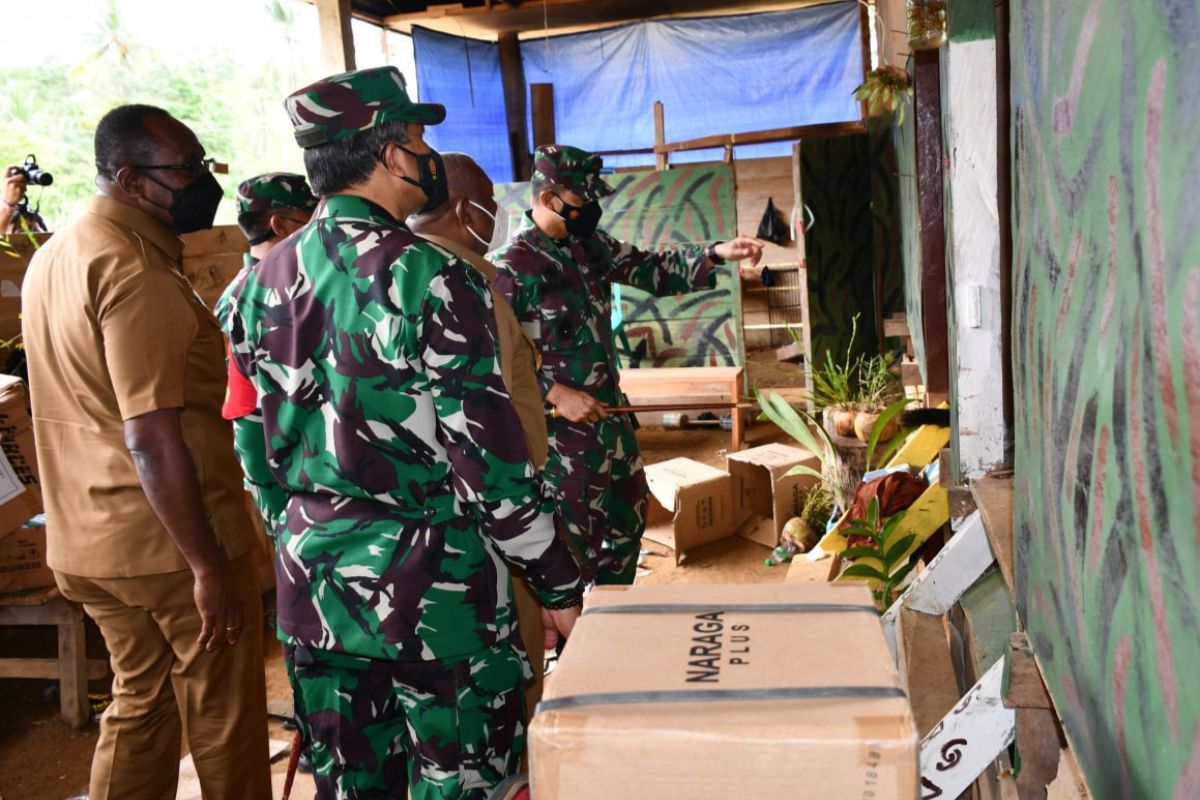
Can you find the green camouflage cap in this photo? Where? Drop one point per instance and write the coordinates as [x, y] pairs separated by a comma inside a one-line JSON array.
[[275, 190], [342, 105], [573, 169]]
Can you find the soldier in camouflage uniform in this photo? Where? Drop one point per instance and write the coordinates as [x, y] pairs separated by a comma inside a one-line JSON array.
[[409, 486], [557, 273], [271, 207]]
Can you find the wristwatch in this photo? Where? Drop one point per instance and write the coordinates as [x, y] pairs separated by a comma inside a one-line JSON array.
[[711, 252]]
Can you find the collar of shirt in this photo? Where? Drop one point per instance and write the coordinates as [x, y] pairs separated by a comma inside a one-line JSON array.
[[350, 206], [139, 222]]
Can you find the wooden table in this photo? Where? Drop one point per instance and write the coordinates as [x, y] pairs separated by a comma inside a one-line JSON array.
[[71, 669], [677, 383]]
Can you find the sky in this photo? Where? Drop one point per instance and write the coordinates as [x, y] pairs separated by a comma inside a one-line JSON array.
[[63, 29]]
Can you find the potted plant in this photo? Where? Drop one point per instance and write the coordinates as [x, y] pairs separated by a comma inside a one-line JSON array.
[[885, 92], [878, 388]]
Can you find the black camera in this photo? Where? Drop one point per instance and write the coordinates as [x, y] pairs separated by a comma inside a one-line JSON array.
[[35, 174]]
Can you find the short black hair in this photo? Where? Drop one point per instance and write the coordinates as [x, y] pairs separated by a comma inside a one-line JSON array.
[[336, 166], [122, 138]]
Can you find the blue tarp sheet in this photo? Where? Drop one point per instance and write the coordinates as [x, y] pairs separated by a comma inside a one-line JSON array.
[[714, 75]]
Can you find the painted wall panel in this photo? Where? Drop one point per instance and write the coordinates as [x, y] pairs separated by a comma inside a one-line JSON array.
[[1106, 97], [654, 210]]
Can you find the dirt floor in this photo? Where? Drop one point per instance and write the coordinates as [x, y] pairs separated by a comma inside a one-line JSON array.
[[41, 758]]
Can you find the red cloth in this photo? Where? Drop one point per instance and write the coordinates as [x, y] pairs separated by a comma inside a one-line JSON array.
[[896, 491], [241, 398]]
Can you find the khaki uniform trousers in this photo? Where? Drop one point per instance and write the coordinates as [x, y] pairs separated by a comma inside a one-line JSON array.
[[166, 684]]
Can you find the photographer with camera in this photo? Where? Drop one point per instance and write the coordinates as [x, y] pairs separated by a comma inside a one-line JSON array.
[[15, 213]]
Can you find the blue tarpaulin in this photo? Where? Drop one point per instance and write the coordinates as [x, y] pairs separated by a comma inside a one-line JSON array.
[[714, 75]]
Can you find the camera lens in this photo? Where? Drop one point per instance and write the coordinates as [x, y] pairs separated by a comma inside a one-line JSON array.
[[39, 176]]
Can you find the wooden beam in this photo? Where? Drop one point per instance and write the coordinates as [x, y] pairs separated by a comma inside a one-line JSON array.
[[337, 37], [512, 75], [797, 132], [48, 668], [660, 137], [864, 32], [928, 119], [541, 98]]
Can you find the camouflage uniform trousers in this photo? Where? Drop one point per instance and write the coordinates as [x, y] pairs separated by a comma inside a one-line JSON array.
[[600, 497], [448, 729]]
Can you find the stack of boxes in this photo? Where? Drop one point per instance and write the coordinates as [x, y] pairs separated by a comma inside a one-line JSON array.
[[22, 537]]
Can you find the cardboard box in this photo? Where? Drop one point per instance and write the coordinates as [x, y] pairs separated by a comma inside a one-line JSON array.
[[20, 490], [765, 691], [23, 559], [690, 504], [765, 497]]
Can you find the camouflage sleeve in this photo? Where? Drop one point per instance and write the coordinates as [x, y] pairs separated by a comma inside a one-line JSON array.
[[477, 425], [673, 271], [250, 444]]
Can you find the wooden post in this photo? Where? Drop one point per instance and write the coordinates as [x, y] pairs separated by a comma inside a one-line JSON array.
[[541, 98], [802, 277], [928, 105], [337, 37], [660, 137], [512, 74]]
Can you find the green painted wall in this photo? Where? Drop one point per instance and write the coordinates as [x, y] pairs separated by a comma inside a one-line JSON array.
[[1106, 102], [968, 20], [655, 210]]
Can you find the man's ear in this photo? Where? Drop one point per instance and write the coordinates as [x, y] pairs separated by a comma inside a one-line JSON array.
[[546, 197], [277, 223], [129, 181]]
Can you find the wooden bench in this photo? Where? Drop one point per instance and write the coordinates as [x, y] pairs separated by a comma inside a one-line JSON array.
[[664, 384], [71, 669]]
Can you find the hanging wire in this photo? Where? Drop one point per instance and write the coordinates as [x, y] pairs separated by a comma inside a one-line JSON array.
[[467, 52], [545, 38]]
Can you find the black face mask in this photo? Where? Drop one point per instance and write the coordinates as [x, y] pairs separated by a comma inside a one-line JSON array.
[[193, 207], [431, 172], [581, 220]]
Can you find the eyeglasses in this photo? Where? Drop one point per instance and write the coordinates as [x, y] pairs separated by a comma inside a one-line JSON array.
[[191, 167]]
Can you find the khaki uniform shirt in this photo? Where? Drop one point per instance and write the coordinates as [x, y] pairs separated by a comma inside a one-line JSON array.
[[114, 331], [519, 361]]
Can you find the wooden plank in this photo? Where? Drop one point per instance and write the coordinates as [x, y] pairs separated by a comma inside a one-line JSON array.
[[337, 36], [951, 573], [896, 327], [967, 740], [802, 266], [1023, 684], [928, 112], [73, 674], [994, 496], [219, 240], [660, 156], [47, 668], [541, 98], [927, 668], [210, 274], [1037, 740], [989, 618], [512, 76], [55, 612], [1069, 783], [818, 131]]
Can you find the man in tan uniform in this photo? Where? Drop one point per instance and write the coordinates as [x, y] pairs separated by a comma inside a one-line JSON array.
[[146, 522], [467, 225]]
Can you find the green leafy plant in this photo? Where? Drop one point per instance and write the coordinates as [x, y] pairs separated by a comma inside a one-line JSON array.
[[885, 546], [838, 384], [878, 385], [817, 507], [886, 92], [800, 425], [877, 432]]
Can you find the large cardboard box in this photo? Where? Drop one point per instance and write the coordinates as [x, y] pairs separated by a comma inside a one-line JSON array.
[[20, 490], [690, 504], [765, 691], [765, 497], [23, 559]]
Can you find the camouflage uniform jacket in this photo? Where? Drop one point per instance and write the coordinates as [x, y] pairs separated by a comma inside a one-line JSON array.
[[387, 423], [562, 294], [249, 442]]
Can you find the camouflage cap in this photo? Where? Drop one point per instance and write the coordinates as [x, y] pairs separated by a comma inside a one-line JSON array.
[[573, 169], [342, 105], [275, 190]]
